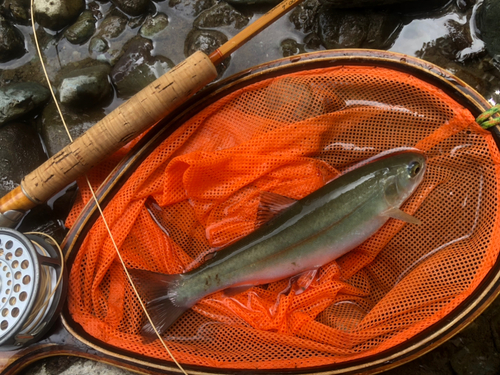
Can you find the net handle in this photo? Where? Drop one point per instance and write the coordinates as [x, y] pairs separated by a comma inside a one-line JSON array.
[[144, 109]]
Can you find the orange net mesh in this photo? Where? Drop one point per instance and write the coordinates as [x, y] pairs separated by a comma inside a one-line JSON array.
[[289, 135]]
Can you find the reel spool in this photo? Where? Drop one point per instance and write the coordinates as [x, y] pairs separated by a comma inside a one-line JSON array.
[[32, 284]]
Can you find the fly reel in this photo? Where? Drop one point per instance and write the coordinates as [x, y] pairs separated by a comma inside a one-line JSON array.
[[32, 286]]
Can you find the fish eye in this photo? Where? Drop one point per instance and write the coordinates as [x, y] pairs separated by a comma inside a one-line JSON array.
[[414, 169]]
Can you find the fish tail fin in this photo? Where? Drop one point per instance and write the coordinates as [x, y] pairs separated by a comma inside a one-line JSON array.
[[159, 291]]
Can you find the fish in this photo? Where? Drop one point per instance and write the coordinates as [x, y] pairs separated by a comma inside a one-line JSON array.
[[306, 234]]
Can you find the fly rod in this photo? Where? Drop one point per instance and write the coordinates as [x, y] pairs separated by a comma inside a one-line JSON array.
[[143, 110]]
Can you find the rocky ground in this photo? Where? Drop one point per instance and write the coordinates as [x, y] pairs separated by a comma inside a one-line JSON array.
[[99, 53]]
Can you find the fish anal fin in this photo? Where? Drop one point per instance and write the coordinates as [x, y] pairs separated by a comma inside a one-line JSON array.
[[396, 213], [271, 205], [159, 292], [231, 292], [304, 280]]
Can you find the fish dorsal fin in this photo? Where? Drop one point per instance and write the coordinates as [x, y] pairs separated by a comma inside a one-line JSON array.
[[271, 205], [396, 213]]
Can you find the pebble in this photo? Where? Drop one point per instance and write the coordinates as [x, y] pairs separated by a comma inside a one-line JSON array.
[[487, 21], [56, 14], [18, 99], [220, 15], [11, 41], [133, 7], [137, 68], [85, 87], [153, 25], [82, 30], [355, 29], [18, 10]]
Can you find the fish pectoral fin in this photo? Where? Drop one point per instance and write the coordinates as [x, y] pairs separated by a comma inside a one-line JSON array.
[[396, 213], [270, 205], [304, 280], [231, 292]]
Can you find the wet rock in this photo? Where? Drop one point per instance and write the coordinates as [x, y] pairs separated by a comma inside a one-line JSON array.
[[11, 41], [153, 25], [137, 68], [98, 45], [18, 99], [449, 46], [20, 152], [133, 7], [206, 41], [477, 354], [357, 29], [304, 16], [290, 47], [191, 8], [112, 26], [78, 121], [487, 22], [18, 10], [81, 31], [220, 15], [56, 14], [85, 87], [365, 3]]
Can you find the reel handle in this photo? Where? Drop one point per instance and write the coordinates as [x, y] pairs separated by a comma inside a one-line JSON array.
[[143, 110]]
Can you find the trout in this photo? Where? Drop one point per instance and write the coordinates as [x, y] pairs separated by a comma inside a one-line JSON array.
[[307, 234]]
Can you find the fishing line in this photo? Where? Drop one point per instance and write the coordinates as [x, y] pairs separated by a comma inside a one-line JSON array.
[[45, 303]]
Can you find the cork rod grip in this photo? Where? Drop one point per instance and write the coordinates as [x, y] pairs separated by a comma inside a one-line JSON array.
[[143, 110]]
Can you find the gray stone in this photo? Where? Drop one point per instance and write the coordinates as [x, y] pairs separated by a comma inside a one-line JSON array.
[[98, 45], [85, 87], [81, 31], [78, 121], [133, 7], [112, 25], [18, 10], [153, 25], [64, 365], [487, 21], [18, 99], [56, 14], [290, 47], [304, 16], [220, 15], [364, 3], [20, 152], [206, 41], [11, 41], [357, 29], [137, 68], [239, 2]]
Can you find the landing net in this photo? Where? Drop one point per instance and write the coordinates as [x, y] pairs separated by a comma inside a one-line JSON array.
[[289, 135]]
